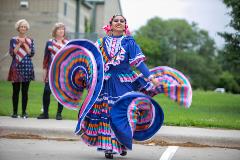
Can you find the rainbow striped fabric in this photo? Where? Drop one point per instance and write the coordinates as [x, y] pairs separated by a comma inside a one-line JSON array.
[[135, 116], [77, 66], [173, 84]]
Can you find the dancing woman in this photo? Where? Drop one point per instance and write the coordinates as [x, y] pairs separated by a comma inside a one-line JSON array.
[[120, 52]]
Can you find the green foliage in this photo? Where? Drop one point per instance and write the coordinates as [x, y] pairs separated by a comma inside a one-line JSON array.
[[194, 66], [181, 35], [230, 56], [152, 49], [183, 46], [227, 80], [206, 46]]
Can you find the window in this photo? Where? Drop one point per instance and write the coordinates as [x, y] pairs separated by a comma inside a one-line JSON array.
[[24, 4], [87, 28], [65, 9]]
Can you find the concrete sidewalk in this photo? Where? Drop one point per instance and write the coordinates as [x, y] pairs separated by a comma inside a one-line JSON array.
[[52, 128]]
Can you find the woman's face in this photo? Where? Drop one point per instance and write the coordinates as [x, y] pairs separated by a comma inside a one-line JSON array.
[[118, 24], [60, 32], [22, 28]]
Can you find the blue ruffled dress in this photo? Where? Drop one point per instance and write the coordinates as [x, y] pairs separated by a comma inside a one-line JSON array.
[[119, 55]]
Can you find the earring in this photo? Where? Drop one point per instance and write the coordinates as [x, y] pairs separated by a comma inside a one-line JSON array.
[[111, 32]]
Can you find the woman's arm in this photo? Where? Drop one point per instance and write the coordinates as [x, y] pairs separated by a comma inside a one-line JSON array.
[[16, 48], [136, 57], [27, 48], [146, 73], [144, 69], [47, 55], [32, 48]]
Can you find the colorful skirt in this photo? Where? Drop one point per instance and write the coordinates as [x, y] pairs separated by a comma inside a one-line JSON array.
[[111, 115], [95, 128]]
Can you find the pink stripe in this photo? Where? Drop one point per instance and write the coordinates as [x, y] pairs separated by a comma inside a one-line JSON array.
[[185, 95], [51, 80], [94, 82], [113, 47], [63, 75]]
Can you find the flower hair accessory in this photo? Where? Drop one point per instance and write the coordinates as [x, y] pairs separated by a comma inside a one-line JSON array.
[[107, 28], [127, 32]]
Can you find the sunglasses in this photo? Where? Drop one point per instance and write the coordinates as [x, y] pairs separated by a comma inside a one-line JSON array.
[[119, 20]]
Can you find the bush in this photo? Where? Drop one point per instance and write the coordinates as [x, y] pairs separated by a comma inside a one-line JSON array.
[[227, 81]]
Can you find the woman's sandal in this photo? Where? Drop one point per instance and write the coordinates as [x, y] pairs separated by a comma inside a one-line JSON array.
[[109, 155], [124, 153]]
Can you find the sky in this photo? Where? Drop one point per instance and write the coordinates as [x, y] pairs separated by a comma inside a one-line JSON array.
[[210, 15]]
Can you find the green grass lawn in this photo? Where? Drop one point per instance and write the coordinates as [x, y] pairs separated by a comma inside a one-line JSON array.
[[208, 109], [34, 101]]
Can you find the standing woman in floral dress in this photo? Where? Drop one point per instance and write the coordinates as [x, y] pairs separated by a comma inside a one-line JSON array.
[[21, 70]]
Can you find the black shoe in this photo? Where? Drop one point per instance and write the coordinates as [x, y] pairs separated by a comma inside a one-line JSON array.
[[58, 116], [124, 153], [14, 115], [42, 116], [24, 115], [109, 155]]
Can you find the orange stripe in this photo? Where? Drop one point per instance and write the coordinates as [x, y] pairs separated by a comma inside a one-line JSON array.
[[68, 68], [178, 93], [174, 75], [57, 74], [143, 127], [165, 88]]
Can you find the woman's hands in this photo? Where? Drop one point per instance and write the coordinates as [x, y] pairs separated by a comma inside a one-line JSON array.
[[154, 80], [22, 42], [27, 48], [17, 46]]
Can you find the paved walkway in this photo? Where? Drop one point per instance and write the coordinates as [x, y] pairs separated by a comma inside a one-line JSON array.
[[168, 135]]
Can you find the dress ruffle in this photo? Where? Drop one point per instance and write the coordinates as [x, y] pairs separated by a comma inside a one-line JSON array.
[[114, 111]]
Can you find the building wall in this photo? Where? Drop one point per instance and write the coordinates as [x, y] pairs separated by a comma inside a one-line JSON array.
[[105, 12], [85, 15], [69, 18], [101, 19], [42, 15]]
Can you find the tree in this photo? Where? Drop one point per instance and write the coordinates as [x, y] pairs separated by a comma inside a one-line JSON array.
[[206, 46], [183, 46], [202, 74], [151, 49], [227, 81], [231, 52]]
